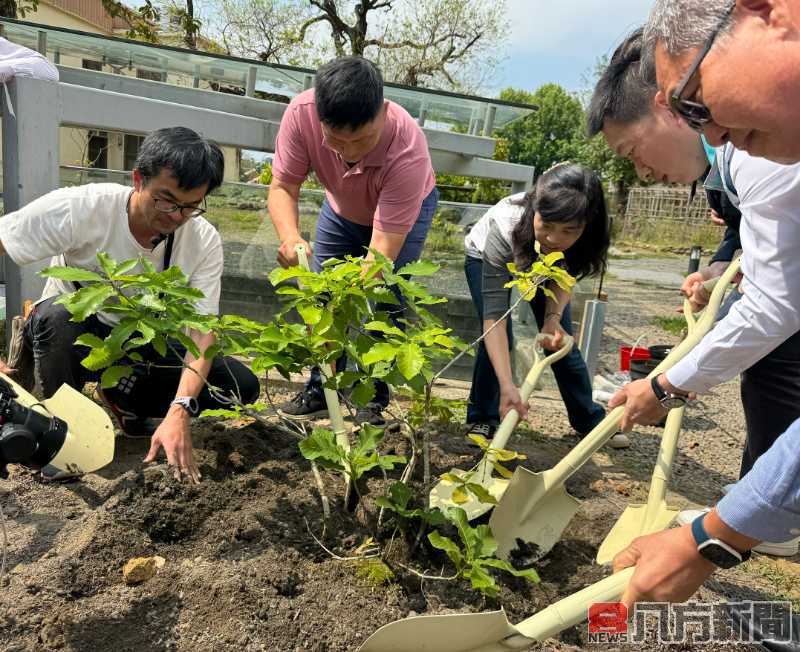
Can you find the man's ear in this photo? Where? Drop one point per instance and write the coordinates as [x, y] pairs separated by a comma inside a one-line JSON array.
[[662, 110], [138, 180], [660, 102]]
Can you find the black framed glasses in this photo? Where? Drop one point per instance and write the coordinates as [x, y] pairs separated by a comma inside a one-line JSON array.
[[166, 206], [696, 114]]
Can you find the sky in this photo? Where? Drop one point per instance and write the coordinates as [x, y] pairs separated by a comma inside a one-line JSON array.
[[560, 40]]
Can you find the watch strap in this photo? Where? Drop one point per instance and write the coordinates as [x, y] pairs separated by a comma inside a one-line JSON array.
[[701, 537], [188, 403], [658, 390]]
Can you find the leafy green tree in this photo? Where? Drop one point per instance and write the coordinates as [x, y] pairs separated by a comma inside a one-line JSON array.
[[596, 154], [552, 134]]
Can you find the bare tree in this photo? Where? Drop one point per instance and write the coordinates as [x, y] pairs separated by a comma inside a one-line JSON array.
[[441, 43]]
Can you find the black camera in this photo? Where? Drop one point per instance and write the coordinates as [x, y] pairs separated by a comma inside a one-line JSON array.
[[27, 437]]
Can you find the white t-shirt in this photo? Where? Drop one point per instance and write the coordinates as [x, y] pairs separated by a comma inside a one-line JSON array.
[[506, 214], [73, 224]]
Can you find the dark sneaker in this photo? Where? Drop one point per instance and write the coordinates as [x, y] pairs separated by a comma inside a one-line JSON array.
[[485, 430], [372, 414], [306, 404], [131, 424]]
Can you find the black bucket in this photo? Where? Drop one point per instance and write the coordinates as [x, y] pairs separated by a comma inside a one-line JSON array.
[[660, 351], [642, 368]]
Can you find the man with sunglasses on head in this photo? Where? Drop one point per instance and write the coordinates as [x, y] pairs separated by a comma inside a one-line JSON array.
[[159, 219], [731, 72]]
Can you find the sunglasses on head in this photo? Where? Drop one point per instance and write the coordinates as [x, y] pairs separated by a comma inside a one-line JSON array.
[[696, 114]]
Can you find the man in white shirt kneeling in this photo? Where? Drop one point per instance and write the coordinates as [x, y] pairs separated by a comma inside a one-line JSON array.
[[160, 218]]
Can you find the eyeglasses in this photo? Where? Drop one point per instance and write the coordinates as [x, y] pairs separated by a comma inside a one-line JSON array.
[[166, 206], [696, 114]]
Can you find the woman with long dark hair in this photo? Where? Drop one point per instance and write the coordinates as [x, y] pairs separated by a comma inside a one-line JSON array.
[[565, 212]]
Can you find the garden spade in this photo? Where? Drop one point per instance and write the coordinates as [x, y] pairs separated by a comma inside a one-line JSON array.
[[442, 494], [653, 516], [536, 508], [491, 631], [89, 441]]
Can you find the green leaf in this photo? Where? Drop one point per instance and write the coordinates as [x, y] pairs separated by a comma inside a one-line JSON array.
[[410, 359], [99, 358], [363, 393], [388, 462], [310, 314], [482, 581], [503, 471], [419, 268], [481, 493], [381, 352], [528, 573], [383, 327], [107, 263], [459, 496], [92, 341], [553, 258], [125, 266], [151, 301], [449, 547], [86, 301], [160, 345], [480, 440], [113, 375], [369, 437], [71, 274], [400, 494], [452, 478], [321, 446]]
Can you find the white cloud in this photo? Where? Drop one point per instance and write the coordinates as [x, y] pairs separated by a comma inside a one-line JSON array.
[[572, 27]]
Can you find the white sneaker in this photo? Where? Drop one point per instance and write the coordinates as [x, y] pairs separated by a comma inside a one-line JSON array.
[[620, 440], [689, 515], [786, 549]]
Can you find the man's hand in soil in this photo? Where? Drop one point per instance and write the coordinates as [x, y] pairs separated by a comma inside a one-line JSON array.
[[641, 405], [174, 435]]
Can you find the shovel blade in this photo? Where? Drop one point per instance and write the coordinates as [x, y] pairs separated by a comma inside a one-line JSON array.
[[448, 633], [89, 445], [631, 525], [442, 494], [531, 517]]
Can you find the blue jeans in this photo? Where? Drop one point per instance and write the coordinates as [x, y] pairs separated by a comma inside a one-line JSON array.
[[570, 372], [338, 237]]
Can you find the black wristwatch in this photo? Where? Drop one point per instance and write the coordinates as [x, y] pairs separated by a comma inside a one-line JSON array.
[[717, 552], [667, 399]]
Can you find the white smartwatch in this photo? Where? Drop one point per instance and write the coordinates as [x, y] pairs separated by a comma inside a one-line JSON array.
[[188, 403]]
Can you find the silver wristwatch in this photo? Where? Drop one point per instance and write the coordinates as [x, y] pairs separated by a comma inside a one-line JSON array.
[[667, 399], [188, 403]]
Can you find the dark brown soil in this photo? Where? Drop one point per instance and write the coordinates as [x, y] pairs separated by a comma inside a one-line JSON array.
[[243, 570]]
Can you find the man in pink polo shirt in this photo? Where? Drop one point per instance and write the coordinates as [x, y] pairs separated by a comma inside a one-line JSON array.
[[373, 160]]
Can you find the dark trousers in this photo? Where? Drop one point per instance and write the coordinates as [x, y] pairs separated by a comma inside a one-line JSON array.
[[571, 374], [771, 399], [337, 237], [50, 335]]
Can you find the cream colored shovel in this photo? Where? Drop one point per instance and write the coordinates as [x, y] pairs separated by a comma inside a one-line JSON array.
[[491, 631], [89, 441], [654, 515], [442, 494], [536, 507]]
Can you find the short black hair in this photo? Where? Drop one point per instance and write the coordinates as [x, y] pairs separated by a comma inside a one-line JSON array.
[[567, 192], [192, 160], [348, 92], [625, 91]]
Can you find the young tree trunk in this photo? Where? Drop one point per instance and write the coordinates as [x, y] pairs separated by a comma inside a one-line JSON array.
[[190, 32]]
